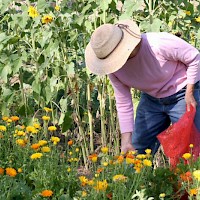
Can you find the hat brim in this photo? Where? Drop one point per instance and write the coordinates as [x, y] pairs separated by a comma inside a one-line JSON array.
[[118, 57]]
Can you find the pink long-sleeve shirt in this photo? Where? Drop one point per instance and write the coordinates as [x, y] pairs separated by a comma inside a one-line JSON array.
[[163, 66]]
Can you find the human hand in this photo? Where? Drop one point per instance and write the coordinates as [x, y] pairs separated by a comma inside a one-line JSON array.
[[189, 97], [126, 143]]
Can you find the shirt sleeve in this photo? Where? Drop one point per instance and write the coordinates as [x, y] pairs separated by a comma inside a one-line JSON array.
[[124, 104], [176, 49]]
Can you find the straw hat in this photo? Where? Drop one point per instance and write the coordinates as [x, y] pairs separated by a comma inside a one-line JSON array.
[[110, 46]]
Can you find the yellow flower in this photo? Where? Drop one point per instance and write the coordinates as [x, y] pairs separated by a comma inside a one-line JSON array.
[[57, 7], [141, 156], [193, 192], [162, 195], [45, 118], [19, 170], [55, 140], [84, 193], [2, 128], [31, 129], [83, 180], [32, 11], [197, 19], [187, 156], [68, 169], [36, 156], [148, 151], [45, 149], [5, 118], [47, 193], [147, 162], [1, 171], [52, 128], [47, 19], [187, 12], [9, 120], [93, 157], [120, 178], [21, 142], [101, 185], [11, 172], [196, 174], [42, 142], [191, 146], [105, 164], [104, 150], [48, 109], [21, 133], [37, 126], [77, 149]]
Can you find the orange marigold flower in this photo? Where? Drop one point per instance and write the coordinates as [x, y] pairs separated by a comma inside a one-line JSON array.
[[70, 142], [47, 193], [186, 176], [120, 159], [193, 192], [99, 170], [93, 157], [14, 118], [83, 180], [1, 171], [35, 146], [11, 172]]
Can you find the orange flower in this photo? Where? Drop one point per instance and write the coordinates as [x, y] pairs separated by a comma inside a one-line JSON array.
[[1, 171], [193, 192], [70, 142], [35, 146], [47, 193], [186, 176], [14, 118], [93, 157], [11, 172], [120, 159], [99, 170]]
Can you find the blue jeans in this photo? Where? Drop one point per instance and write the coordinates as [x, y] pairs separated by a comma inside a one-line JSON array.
[[154, 115]]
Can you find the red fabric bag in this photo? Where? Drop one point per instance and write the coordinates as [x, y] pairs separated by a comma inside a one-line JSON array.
[[177, 138]]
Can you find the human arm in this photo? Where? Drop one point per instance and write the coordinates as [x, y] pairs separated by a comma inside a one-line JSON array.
[[124, 107]]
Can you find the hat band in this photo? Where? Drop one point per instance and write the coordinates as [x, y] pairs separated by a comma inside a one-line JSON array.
[[126, 27]]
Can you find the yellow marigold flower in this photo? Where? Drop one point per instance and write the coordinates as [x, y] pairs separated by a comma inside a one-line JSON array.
[[35, 146], [119, 178], [162, 195], [197, 19], [21, 133], [137, 169], [57, 7], [141, 156], [148, 151], [32, 11], [9, 121], [31, 129], [55, 140], [47, 193], [36, 156], [196, 174], [1, 171], [21, 142], [14, 118], [19, 170], [101, 185], [68, 169], [105, 164], [47, 19], [104, 150], [45, 118], [5, 118], [45, 149], [191, 146], [129, 161], [83, 180], [147, 162], [93, 157], [48, 109], [37, 126], [193, 192], [90, 182], [11, 172], [187, 12], [77, 150], [70, 142], [42, 142], [2, 128], [187, 156], [84, 193], [52, 128]]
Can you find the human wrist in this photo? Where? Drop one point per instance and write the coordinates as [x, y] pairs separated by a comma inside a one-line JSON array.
[[126, 137]]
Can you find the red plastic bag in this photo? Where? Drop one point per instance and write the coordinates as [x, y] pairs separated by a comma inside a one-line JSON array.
[[177, 138]]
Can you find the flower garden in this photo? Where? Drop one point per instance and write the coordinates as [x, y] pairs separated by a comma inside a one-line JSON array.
[[59, 133]]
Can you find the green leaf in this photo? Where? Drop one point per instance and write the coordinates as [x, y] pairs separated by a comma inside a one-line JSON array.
[[36, 86], [70, 69], [67, 121], [25, 110], [4, 72], [41, 5]]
